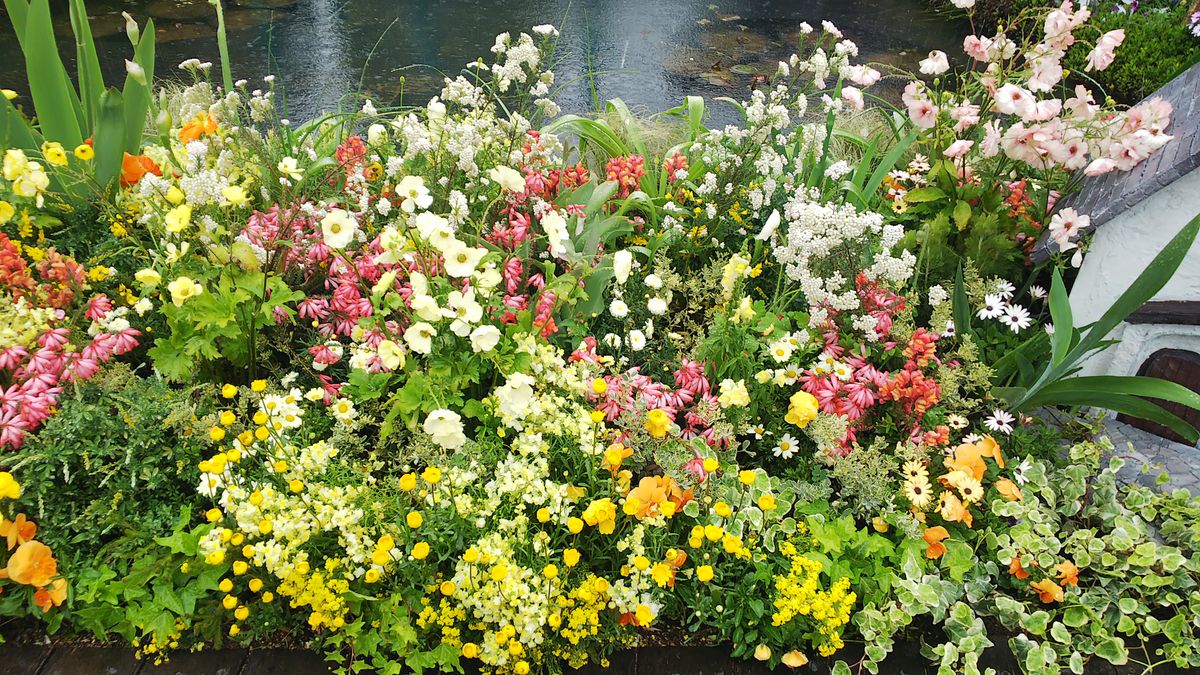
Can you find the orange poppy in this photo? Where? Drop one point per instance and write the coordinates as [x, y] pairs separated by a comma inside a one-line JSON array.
[[33, 564], [203, 124], [1048, 591], [51, 596], [1015, 569], [1008, 490], [18, 530], [1068, 573], [135, 167], [934, 537], [953, 510]]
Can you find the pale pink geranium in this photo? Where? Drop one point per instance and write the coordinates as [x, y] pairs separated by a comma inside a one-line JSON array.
[[1064, 225], [1028, 144], [853, 96], [990, 145], [1070, 152], [1099, 167], [1047, 70], [863, 76], [935, 64], [1082, 106], [921, 110], [958, 148], [1103, 55], [1014, 100], [1045, 110]]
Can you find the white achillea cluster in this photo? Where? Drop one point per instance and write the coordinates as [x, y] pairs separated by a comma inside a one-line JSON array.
[[512, 59], [823, 243]]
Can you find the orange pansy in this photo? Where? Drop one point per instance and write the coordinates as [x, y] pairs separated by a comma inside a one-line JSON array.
[[953, 510], [1068, 573], [988, 447], [652, 491], [967, 458], [17, 531], [1048, 591], [33, 564], [1015, 569], [52, 596], [1008, 490], [934, 537], [200, 125], [134, 167]]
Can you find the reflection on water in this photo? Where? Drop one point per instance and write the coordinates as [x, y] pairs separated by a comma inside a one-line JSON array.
[[649, 52]]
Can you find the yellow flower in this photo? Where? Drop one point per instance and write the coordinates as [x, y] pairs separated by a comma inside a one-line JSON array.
[[802, 409], [240, 567], [408, 482], [713, 532], [9, 487], [229, 602], [85, 152], [747, 477], [794, 659], [255, 585], [471, 554], [183, 289], [597, 416], [7, 211], [229, 391], [178, 218], [599, 385], [175, 196], [216, 433], [420, 550], [225, 586], [234, 630], [431, 475], [235, 195], [550, 571], [498, 573], [54, 153], [296, 485], [722, 509], [657, 423], [543, 515], [241, 613], [571, 557], [213, 515], [643, 615], [268, 597], [704, 573], [371, 576], [447, 588], [574, 525], [414, 519], [470, 650], [258, 386], [766, 502]]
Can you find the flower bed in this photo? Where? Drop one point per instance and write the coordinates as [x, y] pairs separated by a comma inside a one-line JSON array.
[[477, 382]]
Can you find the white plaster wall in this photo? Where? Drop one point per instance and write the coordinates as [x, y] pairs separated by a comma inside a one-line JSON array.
[[1123, 247], [1120, 250]]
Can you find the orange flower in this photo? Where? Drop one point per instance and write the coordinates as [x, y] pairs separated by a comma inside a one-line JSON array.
[[1068, 573], [934, 537], [953, 510], [1015, 568], [652, 491], [17, 531], [988, 447], [614, 455], [1048, 591], [33, 564], [53, 596], [201, 125], [1008, 490], [134, 167], [967, 458]]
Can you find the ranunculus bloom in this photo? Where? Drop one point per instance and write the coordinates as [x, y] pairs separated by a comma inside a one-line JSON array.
[[1068, 573], [51, 596], [802, 409], [1048, 591], [1016, 569]]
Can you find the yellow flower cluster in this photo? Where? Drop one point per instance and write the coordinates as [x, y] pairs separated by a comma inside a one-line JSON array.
[[319, 591], [798, 594], [446, 616]]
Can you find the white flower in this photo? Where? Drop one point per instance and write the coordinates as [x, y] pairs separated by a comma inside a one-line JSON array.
[[653, 281], [993, 307], [515, 396], [426, 306], [936, 63], [1037, 292], [618, 308], [1065, 224], [414, 193], [462, 260], [636, 340], [419, 337], [622, 265], [733, 394], [376, 134], [769, 227], [290, 168], [937, 295], [485, 338], [657, 306], [1016, 317], [1005, 289], [1000, 420], [446, 428], [786, 447], [963, 4], [338, 229], [507, 178], [555, 227], [343, 410], [391, 354], [432, 226]]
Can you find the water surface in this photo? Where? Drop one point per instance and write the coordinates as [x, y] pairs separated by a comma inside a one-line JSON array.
[[649, 52]]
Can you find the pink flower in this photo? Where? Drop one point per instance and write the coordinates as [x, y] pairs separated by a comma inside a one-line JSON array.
[[977, 47], [853, 96], [1047, 71], [1103, 55], [935, 64], [1065, 224], [1099, 167], [1013, 100], [966, 115], [923, 114], [863, 76], [990, 146], [958, 148]]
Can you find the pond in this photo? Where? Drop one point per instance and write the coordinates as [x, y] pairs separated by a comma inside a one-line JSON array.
[[650, 53]]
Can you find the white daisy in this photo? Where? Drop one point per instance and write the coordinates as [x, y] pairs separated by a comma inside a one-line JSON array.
[[786, 447], [993, 307], [1016, 317], [1000, 420]]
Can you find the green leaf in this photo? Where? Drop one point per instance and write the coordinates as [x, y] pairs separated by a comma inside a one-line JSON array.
[[1060, 312], [91, 82], [962, 214], [53, 95], [1121, 394], [925, 194], [1113, 650], [109, 136], [961, 305], [137, 94], [15, 131]]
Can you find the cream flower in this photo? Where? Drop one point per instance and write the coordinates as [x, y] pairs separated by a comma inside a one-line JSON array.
[[338, 229]]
